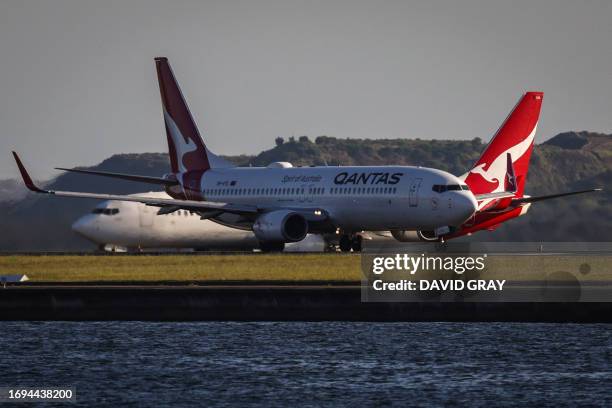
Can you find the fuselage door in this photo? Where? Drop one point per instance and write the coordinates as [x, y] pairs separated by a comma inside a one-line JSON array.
[[413, 194]]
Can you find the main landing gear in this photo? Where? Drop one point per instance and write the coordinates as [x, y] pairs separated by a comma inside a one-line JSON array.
[[348, 242]]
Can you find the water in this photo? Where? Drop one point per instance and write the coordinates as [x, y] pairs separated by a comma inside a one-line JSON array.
[[280, 364]]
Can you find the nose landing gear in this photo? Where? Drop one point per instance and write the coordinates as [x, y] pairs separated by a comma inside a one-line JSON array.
[[348, 242]]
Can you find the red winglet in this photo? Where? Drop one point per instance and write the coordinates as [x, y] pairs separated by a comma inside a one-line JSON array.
[[26, 177]]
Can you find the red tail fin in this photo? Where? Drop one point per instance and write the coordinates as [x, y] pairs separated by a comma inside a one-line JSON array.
[[513, 139], [185, 146]]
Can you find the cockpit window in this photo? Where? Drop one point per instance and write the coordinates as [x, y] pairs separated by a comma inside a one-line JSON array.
[[105, 211], [465, 187], [441, 188]]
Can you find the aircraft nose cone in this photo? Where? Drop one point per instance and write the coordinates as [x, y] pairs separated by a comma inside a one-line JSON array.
[[83, 226], [466, 205]]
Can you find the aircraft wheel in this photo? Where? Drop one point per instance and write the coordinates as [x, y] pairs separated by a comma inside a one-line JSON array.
[[272, 246], [356, 243], [345, 243]]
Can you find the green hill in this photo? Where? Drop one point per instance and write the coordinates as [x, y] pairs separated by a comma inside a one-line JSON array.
[[572, 160]]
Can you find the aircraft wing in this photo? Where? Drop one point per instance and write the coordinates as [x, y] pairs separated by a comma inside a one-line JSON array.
[[130, 177], [206, 209], [206, 206]]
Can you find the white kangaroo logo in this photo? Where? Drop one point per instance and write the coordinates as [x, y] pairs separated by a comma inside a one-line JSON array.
[[182, 144], [497, 170]]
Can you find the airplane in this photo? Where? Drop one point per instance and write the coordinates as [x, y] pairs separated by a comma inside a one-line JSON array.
[[282, 204], [125, 226]]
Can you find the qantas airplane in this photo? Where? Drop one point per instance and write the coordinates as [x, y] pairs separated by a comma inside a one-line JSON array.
[[282, 204]]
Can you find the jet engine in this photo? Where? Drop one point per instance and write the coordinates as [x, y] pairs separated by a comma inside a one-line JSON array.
[[414, 236], [280, 226]]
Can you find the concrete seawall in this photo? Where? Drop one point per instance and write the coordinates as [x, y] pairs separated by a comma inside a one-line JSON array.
[[263, 302]]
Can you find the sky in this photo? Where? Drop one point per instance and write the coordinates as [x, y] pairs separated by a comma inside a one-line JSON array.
[[78, 82]]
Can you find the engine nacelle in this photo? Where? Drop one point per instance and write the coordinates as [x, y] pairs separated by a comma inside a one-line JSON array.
[[280, 226], [414, 236]]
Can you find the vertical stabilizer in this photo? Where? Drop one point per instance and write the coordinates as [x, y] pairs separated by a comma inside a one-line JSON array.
[[185, 146], [513, 141]]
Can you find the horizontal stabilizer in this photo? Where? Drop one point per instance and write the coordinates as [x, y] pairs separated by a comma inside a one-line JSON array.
[[500, 194], [130, 177], [548, 197]]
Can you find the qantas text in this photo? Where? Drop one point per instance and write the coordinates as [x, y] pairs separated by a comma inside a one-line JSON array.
[[367, 178]]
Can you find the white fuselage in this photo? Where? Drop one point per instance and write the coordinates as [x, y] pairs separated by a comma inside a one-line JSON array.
[[356, 198], [133, 225]]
